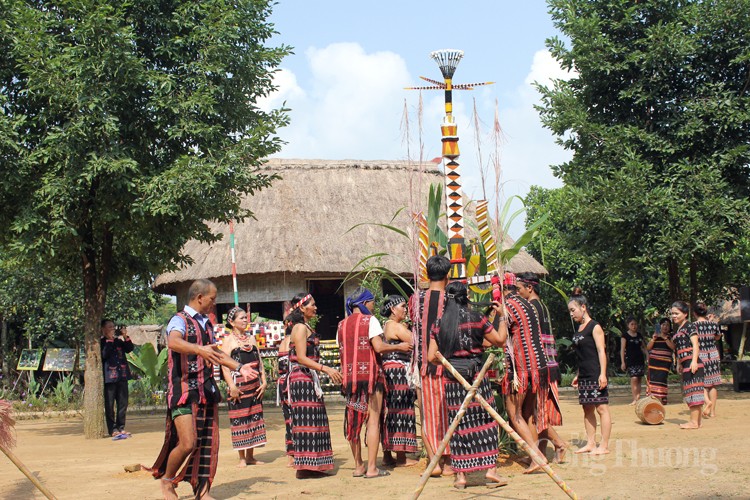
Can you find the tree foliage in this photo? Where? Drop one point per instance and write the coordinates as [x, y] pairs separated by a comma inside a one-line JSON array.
[[125, 127], [657, 114]]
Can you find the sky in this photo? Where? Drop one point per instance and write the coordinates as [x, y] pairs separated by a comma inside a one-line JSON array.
[[345, 82]]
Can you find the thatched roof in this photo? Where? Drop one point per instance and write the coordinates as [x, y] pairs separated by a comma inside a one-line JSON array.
[[302, 223]]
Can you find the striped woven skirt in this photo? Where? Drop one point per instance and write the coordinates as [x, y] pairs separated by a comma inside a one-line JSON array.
[[311, 435], [286, 411], [200, 467], [434, 411], [692, 386], [400, 432], [659, 363], [552, 412], [246, 417], [474, 443]]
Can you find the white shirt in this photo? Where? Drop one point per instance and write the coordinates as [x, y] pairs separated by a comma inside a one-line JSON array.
[[375, 328]]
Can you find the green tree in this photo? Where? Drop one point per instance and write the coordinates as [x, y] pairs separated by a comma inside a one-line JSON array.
[[657, 115], [125, 127]]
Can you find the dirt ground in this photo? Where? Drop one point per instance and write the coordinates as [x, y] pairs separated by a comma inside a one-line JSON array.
[[646, 461]]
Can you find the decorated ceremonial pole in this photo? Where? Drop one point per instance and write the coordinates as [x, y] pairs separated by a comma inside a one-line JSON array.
[[447, 60], [234, 264], [532, 452]]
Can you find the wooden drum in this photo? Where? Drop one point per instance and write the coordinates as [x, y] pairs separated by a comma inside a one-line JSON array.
[[650, 411]]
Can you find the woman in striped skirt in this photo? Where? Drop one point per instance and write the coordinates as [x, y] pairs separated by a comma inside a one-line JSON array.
[[660, 353], [689, 362], [460, 336], [708, 334], [400, 435], [311, 435], [245, 395]]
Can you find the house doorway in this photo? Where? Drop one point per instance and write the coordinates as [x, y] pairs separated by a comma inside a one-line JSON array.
[[329, 297]]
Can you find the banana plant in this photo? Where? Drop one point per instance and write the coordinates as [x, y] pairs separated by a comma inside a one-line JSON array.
[[150, 365]]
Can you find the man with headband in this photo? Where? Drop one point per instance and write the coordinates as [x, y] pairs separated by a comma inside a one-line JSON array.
[[525, 382], [360, 338], [528, 288]]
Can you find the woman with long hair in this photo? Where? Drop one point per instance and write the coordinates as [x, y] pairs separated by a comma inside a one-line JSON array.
[[708, 334], [591, 379], [311, 435], [660, 356], [460, 336], [400, 426], [687, 347], [245, 395]]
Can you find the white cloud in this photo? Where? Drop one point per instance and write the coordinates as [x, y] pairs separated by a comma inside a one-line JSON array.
[[353, 105]]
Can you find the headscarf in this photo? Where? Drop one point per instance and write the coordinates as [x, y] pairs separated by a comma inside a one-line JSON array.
[[509, 279], [233, 313], [391, 301], [358, 298], [528, 281]]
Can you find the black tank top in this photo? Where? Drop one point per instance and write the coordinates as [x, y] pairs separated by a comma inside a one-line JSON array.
[[588, 358]]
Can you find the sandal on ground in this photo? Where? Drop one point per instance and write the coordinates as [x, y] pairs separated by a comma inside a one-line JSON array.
[[381, 473], [118, 437]]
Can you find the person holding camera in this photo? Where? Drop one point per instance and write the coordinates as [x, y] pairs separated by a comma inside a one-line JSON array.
[[660, 355], [115, 343]]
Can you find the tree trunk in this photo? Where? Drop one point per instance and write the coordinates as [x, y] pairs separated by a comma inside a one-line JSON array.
[[93, 396], [673, 271], [693, 282], [4, 350], [96, 268]]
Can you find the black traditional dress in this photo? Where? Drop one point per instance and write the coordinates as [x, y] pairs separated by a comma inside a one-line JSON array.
[[589, 367], [282, 397], [400, 429], [659, 364], [708, 331], [311, 435], [246, 416], [474, 444], [634, 363], [692, 383]]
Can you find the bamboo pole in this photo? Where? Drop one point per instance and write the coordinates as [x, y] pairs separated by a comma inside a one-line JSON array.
[[26, 472], [533, 452], [472, 392]]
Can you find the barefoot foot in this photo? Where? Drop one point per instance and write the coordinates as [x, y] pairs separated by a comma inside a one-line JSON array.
[[532, 468], [560, 452], [167, 489], [690, 425], [600, 451], [586, 449]]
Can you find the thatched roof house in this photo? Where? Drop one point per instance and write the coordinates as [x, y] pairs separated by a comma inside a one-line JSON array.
[[302, 237]]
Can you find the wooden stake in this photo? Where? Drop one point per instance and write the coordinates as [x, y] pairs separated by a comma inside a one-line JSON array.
[[27, 473], [533, 452], [461, 411]]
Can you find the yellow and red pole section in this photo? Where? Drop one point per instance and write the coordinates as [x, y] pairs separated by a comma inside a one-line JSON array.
[[447, 61]]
